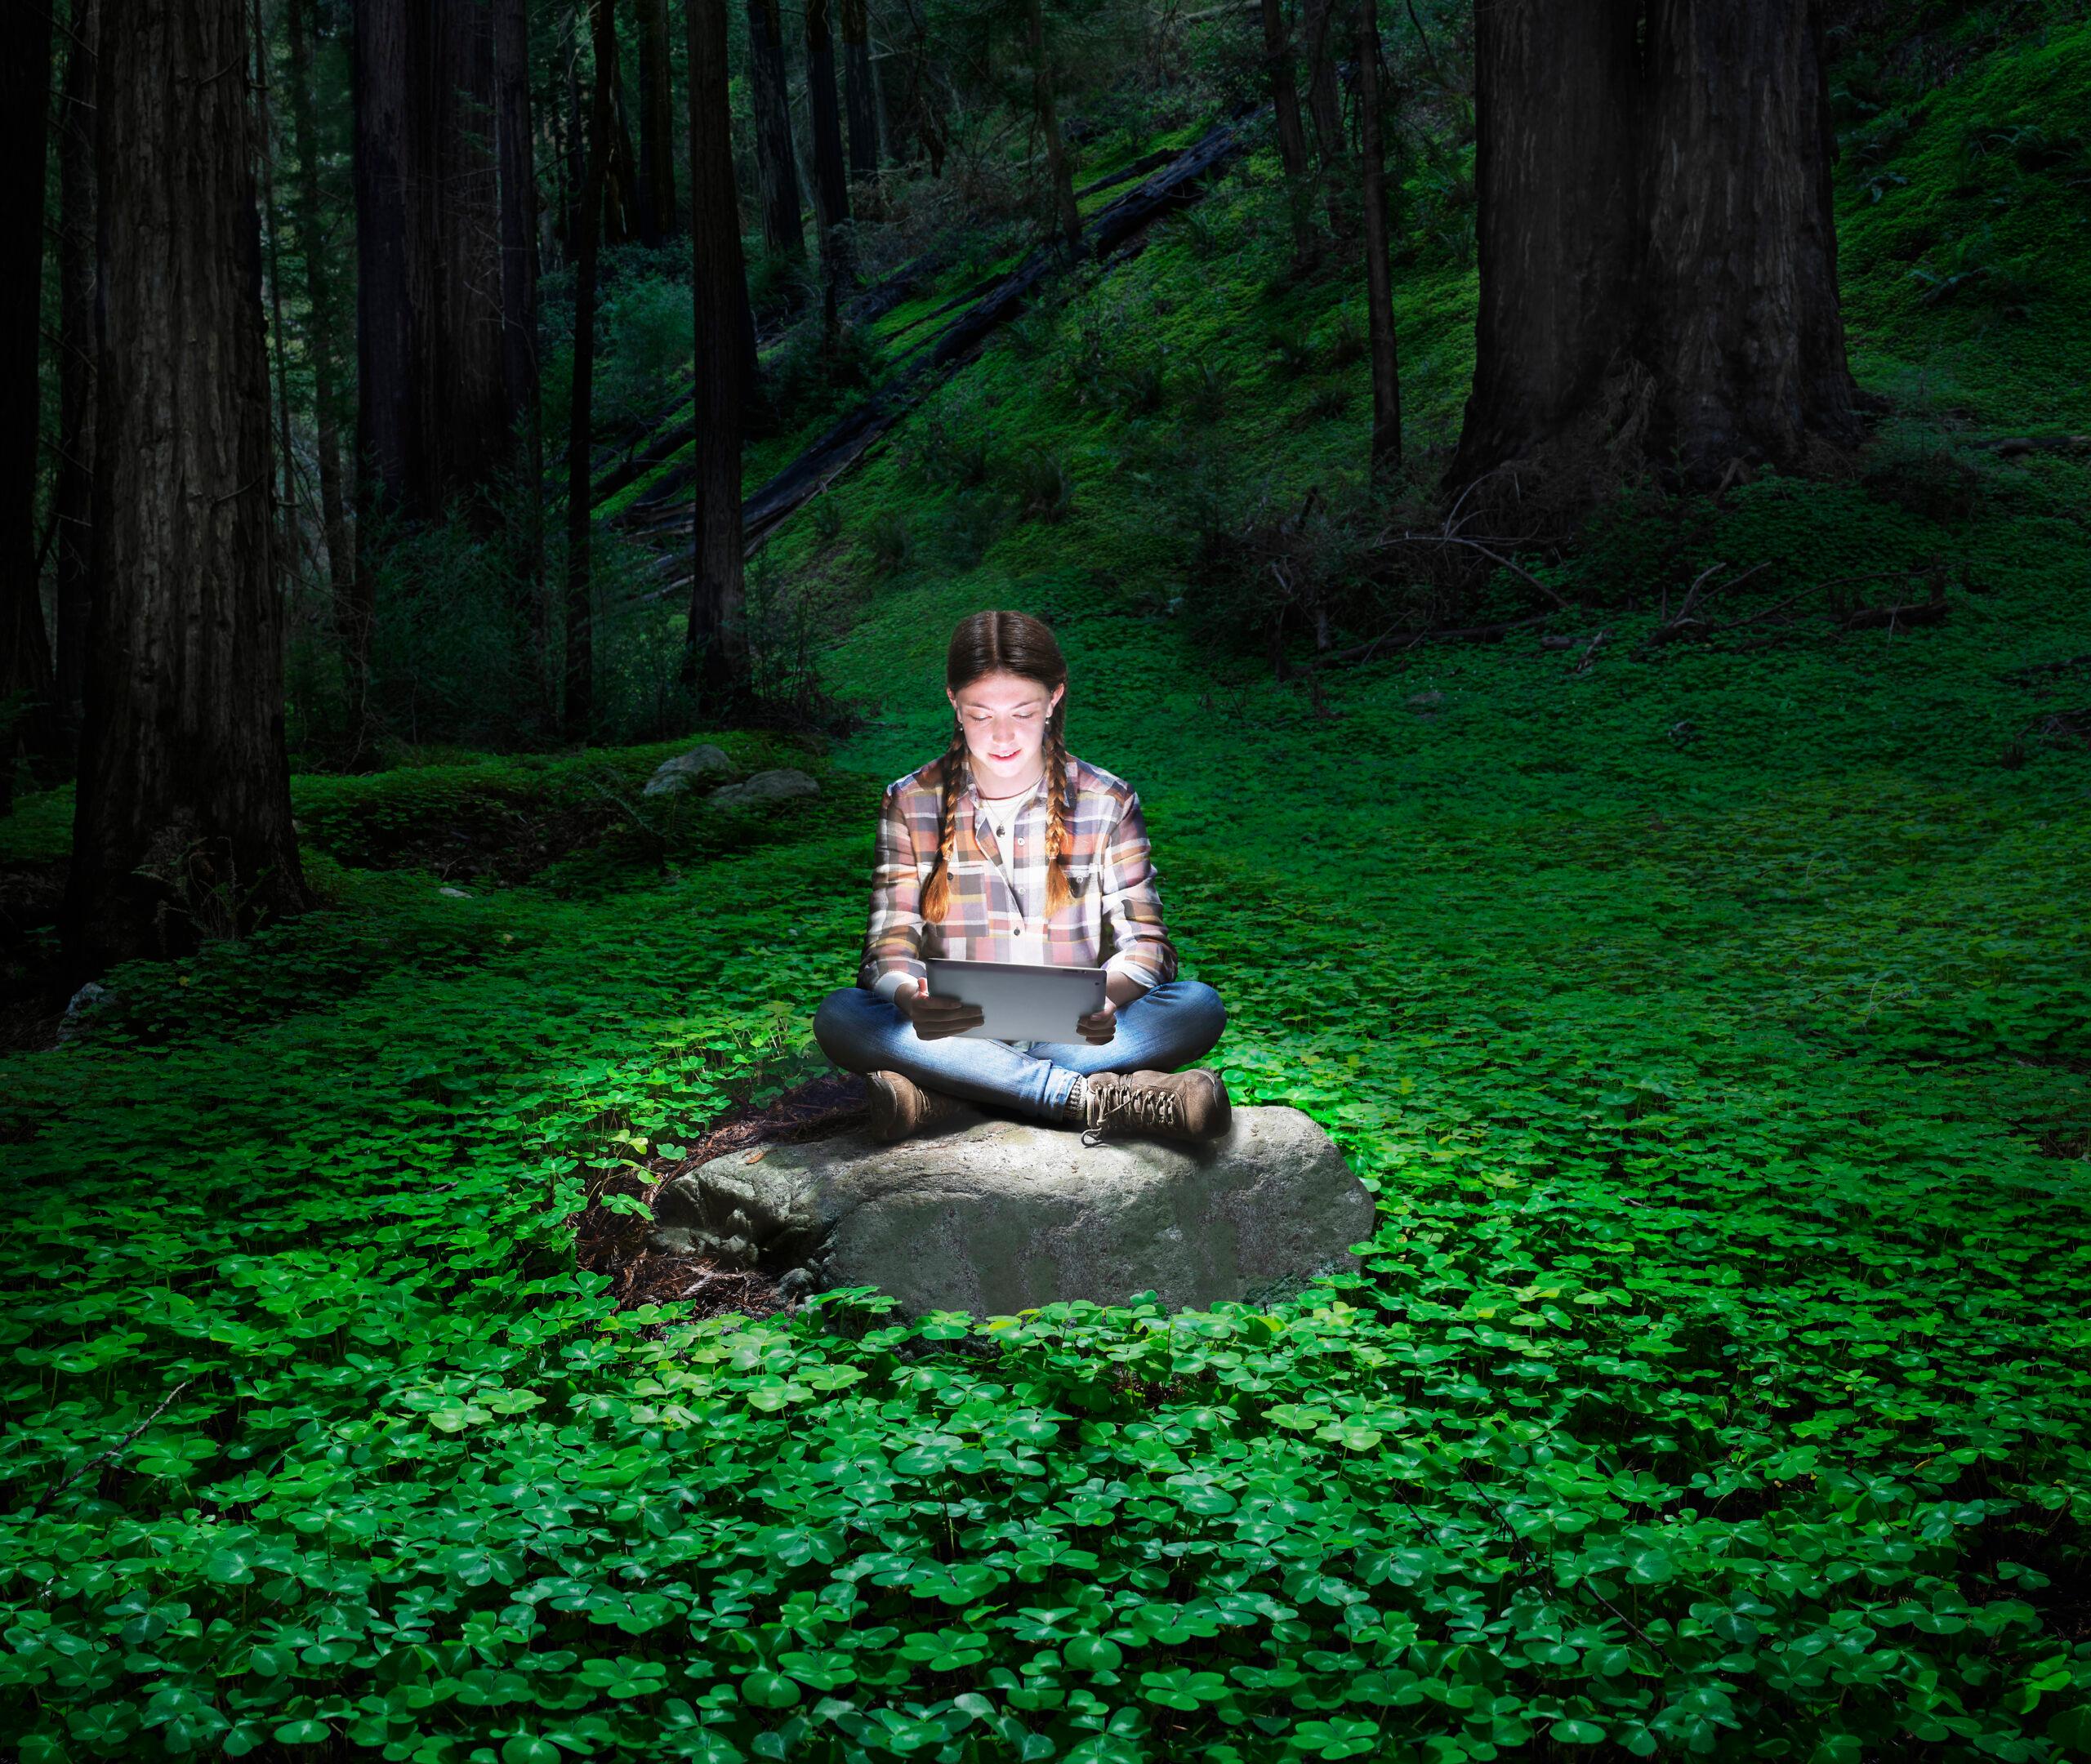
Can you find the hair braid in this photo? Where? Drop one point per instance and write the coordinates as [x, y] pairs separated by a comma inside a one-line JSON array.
[[937, 896], [1058, 843]]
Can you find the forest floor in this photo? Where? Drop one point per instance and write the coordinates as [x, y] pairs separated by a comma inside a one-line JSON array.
[[1712, 1020]]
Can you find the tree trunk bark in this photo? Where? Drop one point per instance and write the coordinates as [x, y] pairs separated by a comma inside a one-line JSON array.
[[656, 124], [1741, 330], [182, 824], [621, 177], [1658, 266], [1324, 102], [777, 168], [476, 434], [436, 426], [580, 563], [831, 185], [30, 716], [1057, 167], [323, 343], [284, 563], [73, 492], [859, 93], [1292, 138], [715, 654], [515, 164], [1386, 446], [1557, 171]]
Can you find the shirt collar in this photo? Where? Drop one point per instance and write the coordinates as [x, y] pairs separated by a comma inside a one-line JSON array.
[[1003, 804]]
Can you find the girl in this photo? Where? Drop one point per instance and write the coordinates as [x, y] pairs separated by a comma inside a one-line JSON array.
[[1010, 848]]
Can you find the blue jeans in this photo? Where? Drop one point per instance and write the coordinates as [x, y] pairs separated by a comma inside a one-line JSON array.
[[1164, 1027]]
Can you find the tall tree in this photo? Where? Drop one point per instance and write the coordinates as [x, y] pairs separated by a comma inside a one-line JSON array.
[[29, 707], [436, 424], [72, 493], [1324, 101], [715, 650], [1059, 171], [1285, 106], [323, 337], [1386, 445], [284, 563], [182, 822], [515, 166], [656, 124], [1656, 250], [860, 97], [776, 166], [587, 230], [831, 183]]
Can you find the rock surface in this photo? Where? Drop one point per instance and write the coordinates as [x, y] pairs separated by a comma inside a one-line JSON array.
[[995, 1216], [686, 771], [767, 786]]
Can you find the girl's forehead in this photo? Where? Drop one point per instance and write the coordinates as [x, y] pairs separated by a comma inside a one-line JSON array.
[[1003, 691]]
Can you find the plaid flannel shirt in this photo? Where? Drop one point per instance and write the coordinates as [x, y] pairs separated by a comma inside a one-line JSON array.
[[1114, 920]]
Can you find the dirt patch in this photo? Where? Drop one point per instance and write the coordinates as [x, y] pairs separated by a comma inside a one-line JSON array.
[[612, 1242]]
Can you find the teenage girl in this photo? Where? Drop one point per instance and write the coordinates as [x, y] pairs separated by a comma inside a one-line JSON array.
[[1010, 848]]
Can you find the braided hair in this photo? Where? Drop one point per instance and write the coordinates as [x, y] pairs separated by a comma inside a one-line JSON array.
[[1005, 642]]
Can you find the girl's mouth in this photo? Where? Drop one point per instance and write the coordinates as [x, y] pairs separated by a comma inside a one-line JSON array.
[[1001, 758]]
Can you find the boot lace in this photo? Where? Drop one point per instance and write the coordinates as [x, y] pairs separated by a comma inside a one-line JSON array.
[[1127, 1105]]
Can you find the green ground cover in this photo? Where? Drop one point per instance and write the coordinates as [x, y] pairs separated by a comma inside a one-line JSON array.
[[1714, 1027]]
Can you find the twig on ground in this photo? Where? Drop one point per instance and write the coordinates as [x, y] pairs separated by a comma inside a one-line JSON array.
[[95, 1464]]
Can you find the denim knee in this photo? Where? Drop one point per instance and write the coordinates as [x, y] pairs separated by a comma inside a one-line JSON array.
[[832, 1021], [1202, 1005]]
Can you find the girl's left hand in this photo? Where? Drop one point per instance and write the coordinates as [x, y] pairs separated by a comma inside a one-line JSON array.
[[1098, 1027]]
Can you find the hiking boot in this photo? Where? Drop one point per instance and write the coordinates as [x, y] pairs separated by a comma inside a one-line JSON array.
[[900, 1107], [1191, 1105]]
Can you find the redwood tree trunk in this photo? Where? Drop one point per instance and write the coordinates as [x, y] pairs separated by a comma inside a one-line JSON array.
[[580, 562], [1324, 102], [860, 96], [436, 426], [1557, 175], [1386, 447], [656, 129], [1057, 167], [28, 697], [831, 185], [182, 824], [776, 166], [515, 163], [1285, 104], [1658, 267], [714, 657], [323, 335], [73, 491], [1742, 329]]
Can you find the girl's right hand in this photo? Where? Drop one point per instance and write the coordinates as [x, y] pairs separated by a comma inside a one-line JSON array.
[[935, 1018]]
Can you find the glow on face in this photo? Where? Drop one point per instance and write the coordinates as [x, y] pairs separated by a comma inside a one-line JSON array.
[[1004, 716]]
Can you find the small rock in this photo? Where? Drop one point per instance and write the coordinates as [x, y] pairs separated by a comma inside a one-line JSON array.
[[766, 786], [455, 894], [687, 770], [83, 1004]]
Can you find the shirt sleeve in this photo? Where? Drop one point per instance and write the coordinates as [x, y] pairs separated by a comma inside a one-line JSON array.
[[1140, 948], [894, 935]]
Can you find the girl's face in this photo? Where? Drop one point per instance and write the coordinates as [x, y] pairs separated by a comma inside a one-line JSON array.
[[1004, 717]]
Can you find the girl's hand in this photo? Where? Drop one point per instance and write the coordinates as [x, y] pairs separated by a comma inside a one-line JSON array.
[[935, 1018], [1100, 1025]]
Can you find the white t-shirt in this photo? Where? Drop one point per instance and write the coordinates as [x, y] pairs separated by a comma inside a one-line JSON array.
[[1001, 813]]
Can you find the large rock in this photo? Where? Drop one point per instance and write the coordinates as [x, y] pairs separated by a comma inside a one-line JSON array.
[[995, 1216], [686, 771], [784, 782]]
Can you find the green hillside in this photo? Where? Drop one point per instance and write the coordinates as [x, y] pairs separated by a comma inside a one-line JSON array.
[[1712, 1022]]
